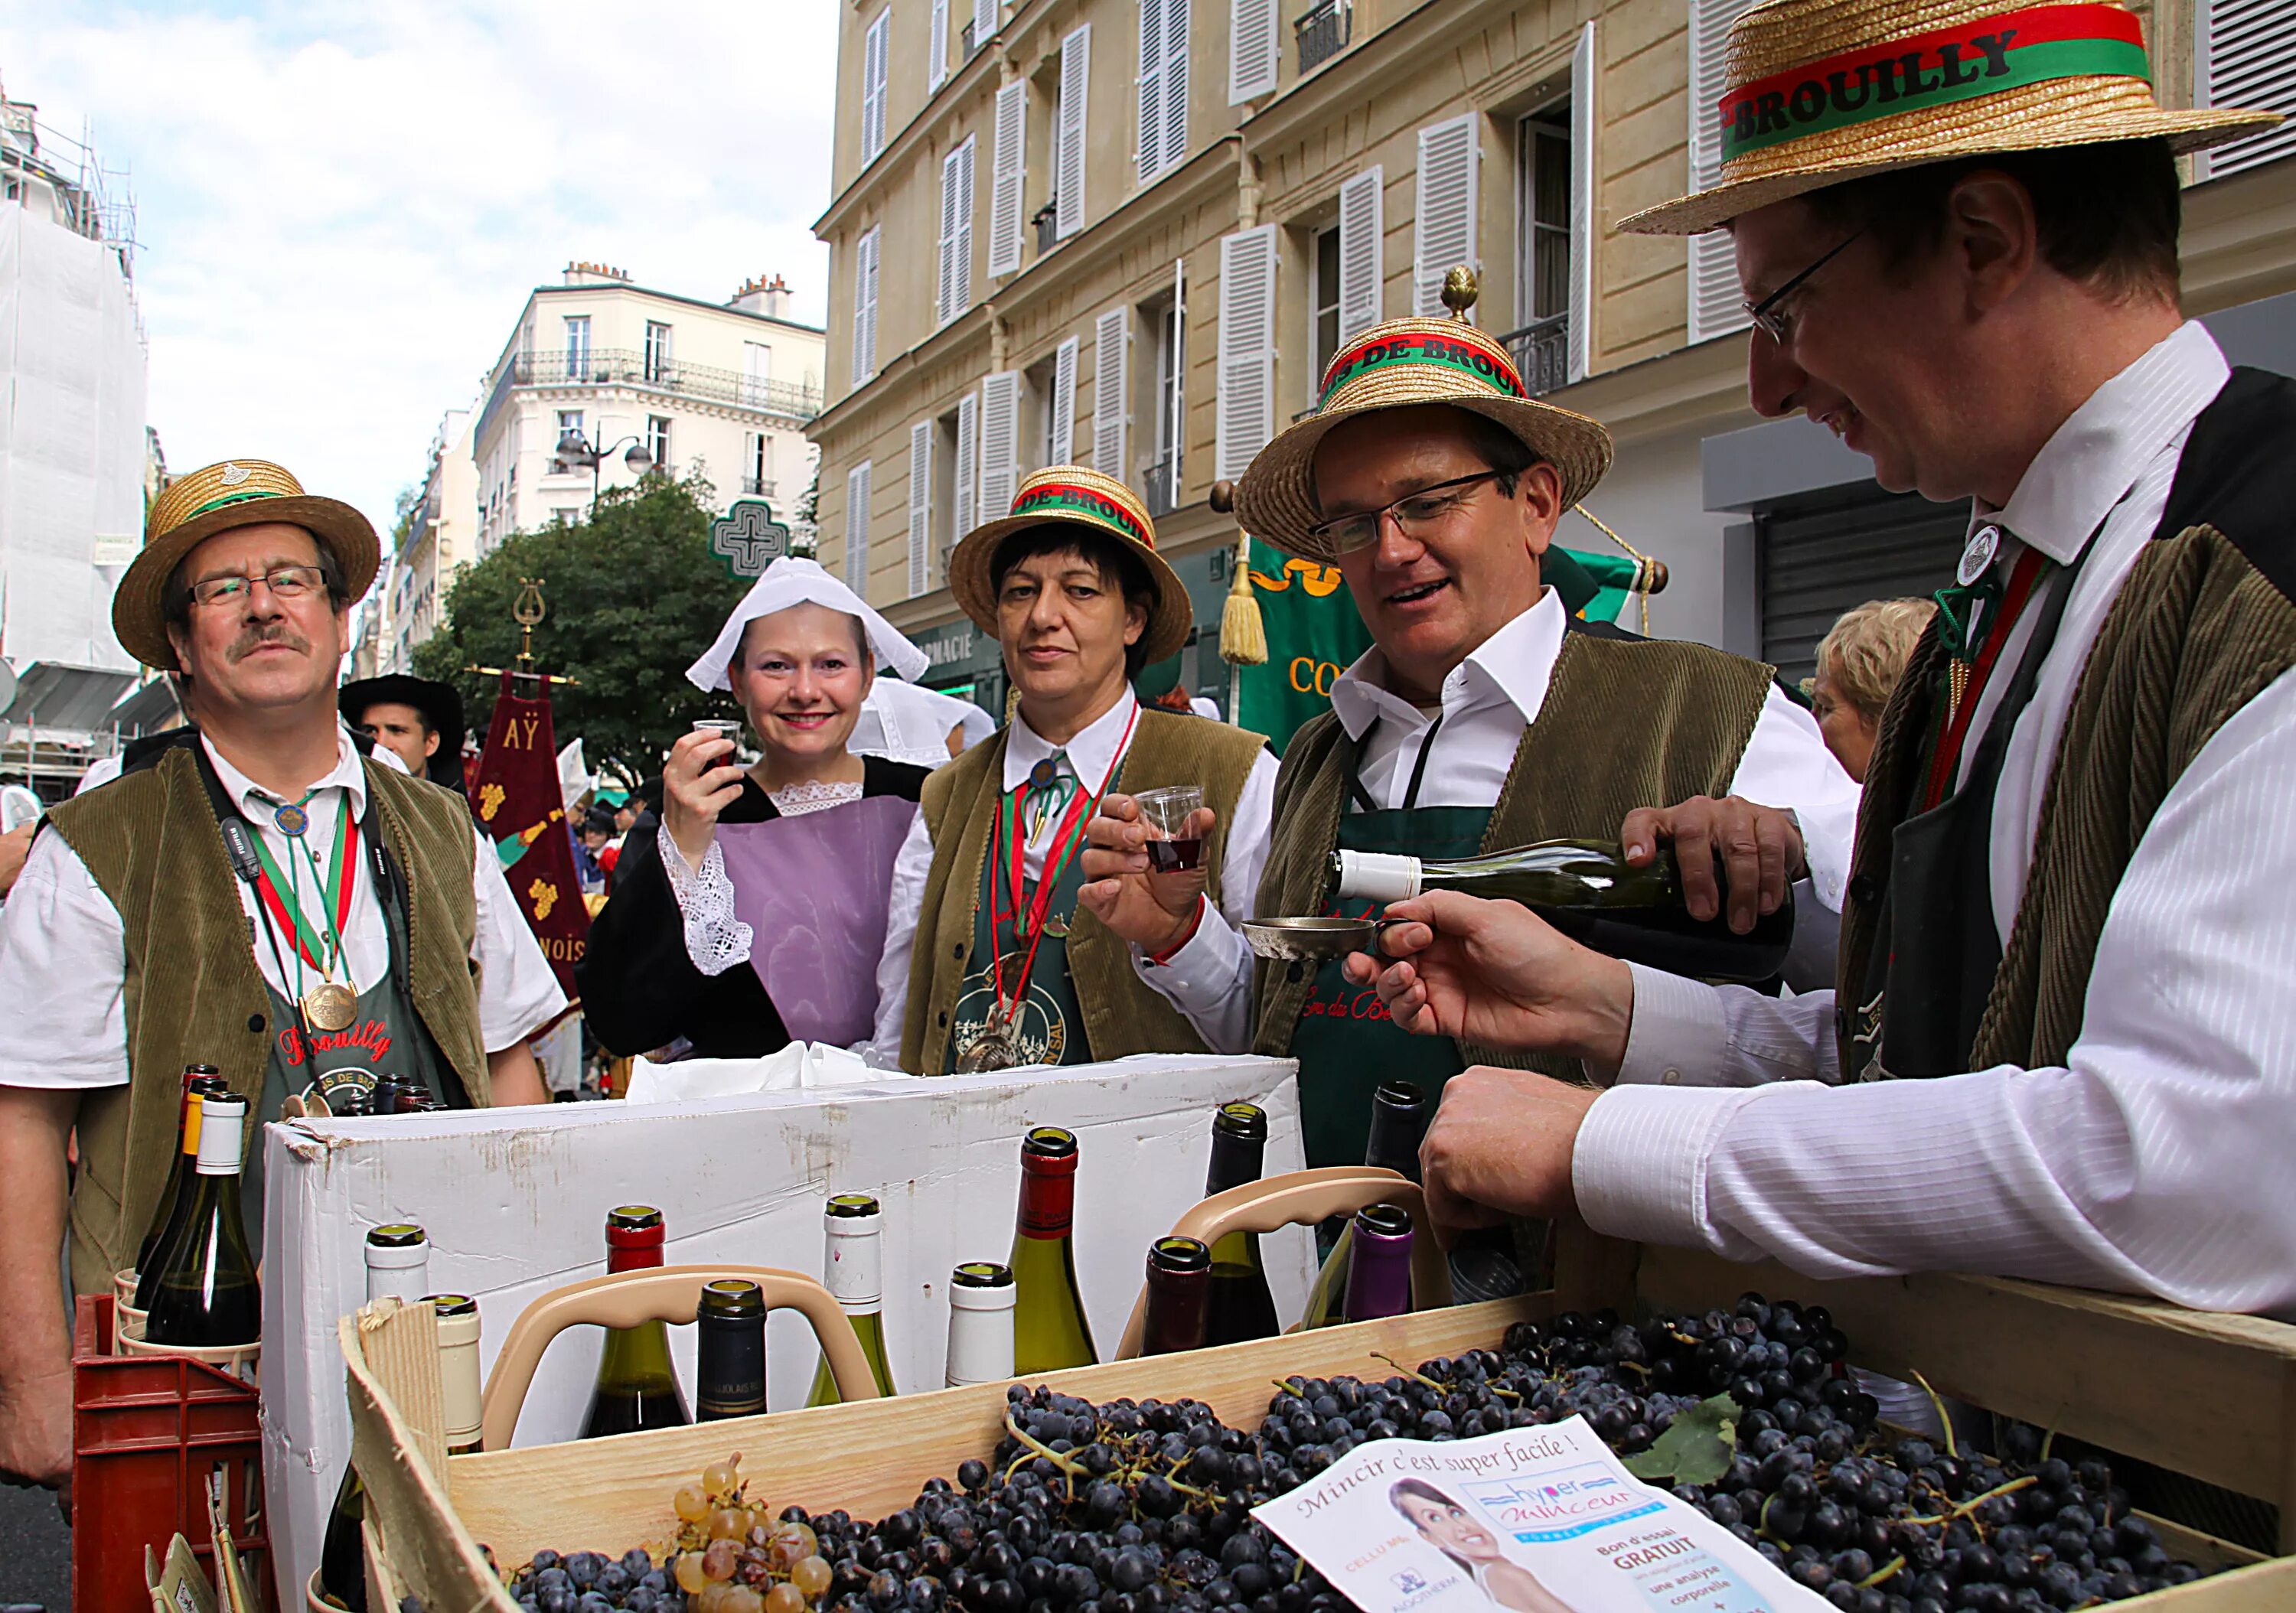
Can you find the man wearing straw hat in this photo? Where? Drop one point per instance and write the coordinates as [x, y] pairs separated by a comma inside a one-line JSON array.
[[988, 963], [255, 893], [1956, 229], [1483, 717]]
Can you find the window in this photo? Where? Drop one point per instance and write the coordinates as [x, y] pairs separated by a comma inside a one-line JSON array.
[[857, 529], [578, 347], [920, 482], [657, 442], [1245, 417], [1068, 127], [657, 353], [1444, 218], [570, 423], [954, 493], [757, 369], [937, 48], [1060, 409], [1543, 204], [1163, 85], [1110, 361], [1008, 178], [758, 464], [1000, 441], [1323, 305], [873, 85], [955, 286], [1361, 253], [865, 307], [1253, 47]]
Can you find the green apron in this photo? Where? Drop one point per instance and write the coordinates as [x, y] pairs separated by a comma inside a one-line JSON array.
[[1345, 1043]]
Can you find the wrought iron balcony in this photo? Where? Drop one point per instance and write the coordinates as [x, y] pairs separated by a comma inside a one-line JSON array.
[[757, 487], [629, 368], [1163, 498], [965, 38], [1323, 33], [1542, 352], [1048, 226]]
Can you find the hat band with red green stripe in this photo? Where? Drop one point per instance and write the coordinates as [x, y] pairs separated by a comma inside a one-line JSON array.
[[1068, 499], [2010, 50], [1462, 356], [231, 498]]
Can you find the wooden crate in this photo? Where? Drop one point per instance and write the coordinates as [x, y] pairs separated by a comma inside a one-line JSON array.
[[2119, 1371]]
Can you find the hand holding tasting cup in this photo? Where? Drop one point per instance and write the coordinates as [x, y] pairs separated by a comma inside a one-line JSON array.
[[1760, 846], [1497, 974], [699, 780], [1152, 911]]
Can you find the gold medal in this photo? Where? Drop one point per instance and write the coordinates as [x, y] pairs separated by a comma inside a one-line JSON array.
[[331, 1005], [992, 1049]]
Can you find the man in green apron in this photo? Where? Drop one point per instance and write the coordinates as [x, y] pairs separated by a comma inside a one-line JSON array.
[[1484, 717], [257, 894]]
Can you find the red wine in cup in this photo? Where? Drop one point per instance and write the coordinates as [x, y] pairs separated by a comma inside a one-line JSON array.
[[1174, 857]]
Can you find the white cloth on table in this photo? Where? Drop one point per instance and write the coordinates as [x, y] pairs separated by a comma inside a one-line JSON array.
[[2149, 1161]]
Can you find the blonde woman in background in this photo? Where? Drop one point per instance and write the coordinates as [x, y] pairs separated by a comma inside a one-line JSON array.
[[1858, 663]]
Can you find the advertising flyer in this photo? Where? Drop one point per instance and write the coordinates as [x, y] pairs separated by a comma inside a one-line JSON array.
[[1533, 1520]]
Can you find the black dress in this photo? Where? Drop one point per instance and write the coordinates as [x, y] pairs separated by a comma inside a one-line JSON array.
[[641, 991]]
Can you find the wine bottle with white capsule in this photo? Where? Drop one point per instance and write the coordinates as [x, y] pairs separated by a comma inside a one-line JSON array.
[[981, 1295], [856, 1280]]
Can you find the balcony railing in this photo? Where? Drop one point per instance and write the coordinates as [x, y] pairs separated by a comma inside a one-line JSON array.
[[757, 487], [613, 367], [1048, 226], [965, 38], [1323, 33], [1542, 352], [1163, 498]]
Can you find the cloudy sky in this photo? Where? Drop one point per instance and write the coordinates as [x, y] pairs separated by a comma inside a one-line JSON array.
[[342, 207]]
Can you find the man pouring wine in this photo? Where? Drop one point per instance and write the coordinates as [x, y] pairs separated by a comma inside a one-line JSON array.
[[1483, 717]]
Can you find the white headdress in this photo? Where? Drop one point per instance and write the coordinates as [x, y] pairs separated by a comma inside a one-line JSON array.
[[801, 582]]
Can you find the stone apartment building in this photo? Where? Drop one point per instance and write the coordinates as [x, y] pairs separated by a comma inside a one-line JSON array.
[[1129, 233]]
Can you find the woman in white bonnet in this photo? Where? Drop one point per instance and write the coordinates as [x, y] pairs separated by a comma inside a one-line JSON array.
[[757, 916]]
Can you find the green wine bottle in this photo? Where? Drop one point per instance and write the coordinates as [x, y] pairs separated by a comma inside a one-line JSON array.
[[729, 1354], [175, 1209], [1179, 1296], [397, 1267], [1586, 890], [1240, 1305], [637, 1387], [205, 1294], [856, 1280], [1399, 1119], [1049, 1329]]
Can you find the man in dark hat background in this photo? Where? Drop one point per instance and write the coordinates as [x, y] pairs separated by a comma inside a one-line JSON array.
[[420, 720], [352, 926]]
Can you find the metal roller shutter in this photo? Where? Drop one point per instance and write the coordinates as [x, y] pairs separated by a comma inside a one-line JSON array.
[[1818, 564]]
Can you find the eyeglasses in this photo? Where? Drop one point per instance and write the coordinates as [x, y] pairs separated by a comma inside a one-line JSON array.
[[1416, 514], [1779, 326], [286, 582]]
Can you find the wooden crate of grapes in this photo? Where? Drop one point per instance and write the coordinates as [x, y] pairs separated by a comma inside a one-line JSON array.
[[2212, 1397]]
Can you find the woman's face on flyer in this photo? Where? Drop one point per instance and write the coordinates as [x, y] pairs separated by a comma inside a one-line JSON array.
[[1449, 1528]]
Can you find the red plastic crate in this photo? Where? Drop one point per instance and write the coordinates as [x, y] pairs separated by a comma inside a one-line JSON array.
[[147, 1430]]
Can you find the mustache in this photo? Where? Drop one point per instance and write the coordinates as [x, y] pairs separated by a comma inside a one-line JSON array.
[[268, 632]]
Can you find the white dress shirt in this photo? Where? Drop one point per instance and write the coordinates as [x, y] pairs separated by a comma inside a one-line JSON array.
[[1091, 756], [63, 957], [1488, 701], [2155, 1159]]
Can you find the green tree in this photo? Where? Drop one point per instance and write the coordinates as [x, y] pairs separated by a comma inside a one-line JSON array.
[[634, 595]]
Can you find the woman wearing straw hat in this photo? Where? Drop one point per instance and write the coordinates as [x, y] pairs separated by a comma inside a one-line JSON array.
[[996, 962], [754, 916], [1484, 717], [1956, 229]]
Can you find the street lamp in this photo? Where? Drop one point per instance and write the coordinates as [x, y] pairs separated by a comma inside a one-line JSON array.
[[574, 452]]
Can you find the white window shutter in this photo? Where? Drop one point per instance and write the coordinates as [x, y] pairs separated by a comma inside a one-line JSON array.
[[1000, 442], [921, 439], [1583, 230], [1443, 233], [1068, 162], [1363, 251], [857, 529], [1717, 304], [1151, 87], [873, 53], [957, 232], [937, 48], [1247, 348], [1176, 84], [1253, 49], [2248, 55], [1110, 338], [984, 22], [967, 491], [1005, 186], [865, 307], [1060, 444]]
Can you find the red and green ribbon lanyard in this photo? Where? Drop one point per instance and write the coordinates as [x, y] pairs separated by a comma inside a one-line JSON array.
[[1953, 714], [287, 914], [1056, 861]]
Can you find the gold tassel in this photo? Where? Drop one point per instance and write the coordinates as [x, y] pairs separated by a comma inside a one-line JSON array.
[[1650, 576], [1244, 636]]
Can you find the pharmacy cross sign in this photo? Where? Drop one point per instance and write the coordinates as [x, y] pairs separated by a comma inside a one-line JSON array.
[[747, 539]]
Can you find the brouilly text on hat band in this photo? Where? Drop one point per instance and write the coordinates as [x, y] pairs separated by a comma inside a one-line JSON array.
[[1085, 502], [1467, 357], [2007, 50]]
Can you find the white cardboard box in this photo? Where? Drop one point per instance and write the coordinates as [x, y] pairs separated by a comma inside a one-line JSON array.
[[515, 1201]]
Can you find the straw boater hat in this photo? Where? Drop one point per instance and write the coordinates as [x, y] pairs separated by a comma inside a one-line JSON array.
[[1824, 91], [1072, 495], [215, 498], [1394, 366]]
